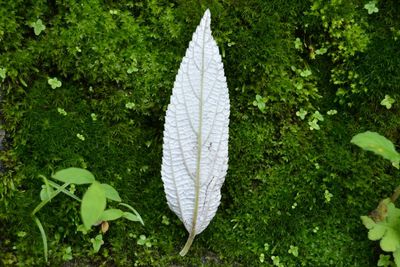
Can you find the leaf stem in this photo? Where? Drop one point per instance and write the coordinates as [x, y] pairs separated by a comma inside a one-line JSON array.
[[44, 237], [396, 194], [68, 193], [44, 202], [189, 242]]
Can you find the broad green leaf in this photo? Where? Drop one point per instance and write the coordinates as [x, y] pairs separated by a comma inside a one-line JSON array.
[[74, 176], [110, 192], [368, 222], [372, 141], [46, 192], [111, 214], [377, 232], [132, 217], [391, 240], [134, 211], [93, 204]]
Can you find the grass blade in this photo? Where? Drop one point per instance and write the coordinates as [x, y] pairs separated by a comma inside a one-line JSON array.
[[44, 237]]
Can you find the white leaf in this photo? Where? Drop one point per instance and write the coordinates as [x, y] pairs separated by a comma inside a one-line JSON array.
[[195, 149]]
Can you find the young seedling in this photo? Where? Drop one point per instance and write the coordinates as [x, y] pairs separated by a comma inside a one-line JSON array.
[[93, 203], [383, 223]]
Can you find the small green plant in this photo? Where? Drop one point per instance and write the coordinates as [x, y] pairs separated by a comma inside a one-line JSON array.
[[260, 102], [54, 83], [38, 26], [371, 7], [387, 102], [294, 250], [93, 204], [383, 223]]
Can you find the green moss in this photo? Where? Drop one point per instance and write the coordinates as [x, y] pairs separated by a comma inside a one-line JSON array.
[[119, 60]]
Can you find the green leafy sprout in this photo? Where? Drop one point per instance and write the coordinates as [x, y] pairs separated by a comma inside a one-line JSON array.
[[54, 83], [383, 223], [260, 103], [298, 44], [387, 102], [371, 7], [93, 204], [301, 113], [293, 250], [38, 26], [314, 119], [3, 72]]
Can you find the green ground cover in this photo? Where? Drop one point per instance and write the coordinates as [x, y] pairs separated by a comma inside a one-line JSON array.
[[295, 183]]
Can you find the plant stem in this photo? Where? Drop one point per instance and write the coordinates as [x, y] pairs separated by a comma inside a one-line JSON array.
[[44, 202], [57, 186], [396, 194], [44, 237], [187, 245]]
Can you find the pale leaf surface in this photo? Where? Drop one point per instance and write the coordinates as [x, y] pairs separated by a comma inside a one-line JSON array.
[[195, 149]]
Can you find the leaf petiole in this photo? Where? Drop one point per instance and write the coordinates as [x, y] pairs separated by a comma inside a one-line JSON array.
[[44, 202], [68, 193]]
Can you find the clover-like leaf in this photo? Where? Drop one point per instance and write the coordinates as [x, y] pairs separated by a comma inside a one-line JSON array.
[[387, 230], [38, 26], [298, 44], [331, 112], [74, 176], [97, 242], [62, 111], [387, 102], [384, 260], [318, 116], [293, 250], [371, 7], [372, 141], [314, 124], [301, 113], [3, 72], [305, 73], [260, 102], [54, 83], [321, 51]]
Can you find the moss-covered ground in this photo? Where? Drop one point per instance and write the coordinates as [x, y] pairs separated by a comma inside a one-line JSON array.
[[287, 185]]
